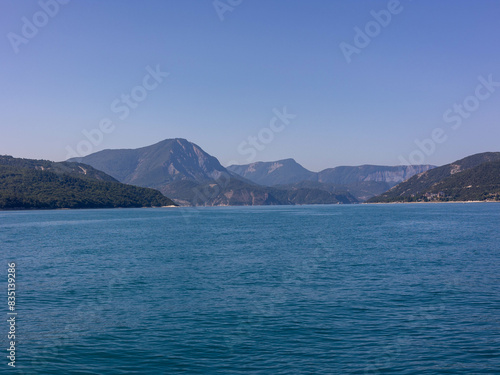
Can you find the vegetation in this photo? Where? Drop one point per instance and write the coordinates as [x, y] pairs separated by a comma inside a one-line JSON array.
[[475, 184], [313, 196], [76, 169], [459, 181], [235, 192], [25, 185]]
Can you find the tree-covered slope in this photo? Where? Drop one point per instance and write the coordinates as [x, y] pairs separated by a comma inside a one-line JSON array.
[[475, 184], [360, 191], [451, 180], [23, 185], [75, 169]]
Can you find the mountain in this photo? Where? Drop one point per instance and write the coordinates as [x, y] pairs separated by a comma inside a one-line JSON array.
[[280, 172], [474, 176], [363, 182], [42, 184], [183, 171], [154, 166]]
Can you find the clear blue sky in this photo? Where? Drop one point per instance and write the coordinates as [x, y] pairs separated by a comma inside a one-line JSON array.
[[226, 77]]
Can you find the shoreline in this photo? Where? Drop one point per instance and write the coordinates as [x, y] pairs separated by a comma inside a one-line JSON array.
[[78, 209], [434, 202], [283, 205]]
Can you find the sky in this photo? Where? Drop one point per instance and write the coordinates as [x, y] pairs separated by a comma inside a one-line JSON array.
[[326, 82]]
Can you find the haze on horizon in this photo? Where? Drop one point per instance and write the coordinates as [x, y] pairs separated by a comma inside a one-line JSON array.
[[326, 83]]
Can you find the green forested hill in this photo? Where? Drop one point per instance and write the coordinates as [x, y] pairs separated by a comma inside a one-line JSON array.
[[476, 177], [34, 184], [75, 169], [475, 184]]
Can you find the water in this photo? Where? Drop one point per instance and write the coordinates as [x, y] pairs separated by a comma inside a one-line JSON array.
[[364, 289]]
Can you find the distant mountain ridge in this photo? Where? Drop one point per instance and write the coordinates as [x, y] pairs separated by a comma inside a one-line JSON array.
[[288, 171], [472, 177], [363, 181], [280, 172]]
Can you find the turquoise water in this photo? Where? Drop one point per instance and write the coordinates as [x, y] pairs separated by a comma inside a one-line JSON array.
[[363, 289]]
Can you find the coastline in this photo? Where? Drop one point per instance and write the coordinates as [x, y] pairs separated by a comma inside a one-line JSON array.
[[433, 202], [79, 209], [290, 205]]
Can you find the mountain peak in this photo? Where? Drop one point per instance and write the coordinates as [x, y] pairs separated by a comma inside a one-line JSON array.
[[280, 172], [152, 166]]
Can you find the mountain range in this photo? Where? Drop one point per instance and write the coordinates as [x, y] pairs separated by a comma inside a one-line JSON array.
[[181, 170], [288, 171], [184, 172], [363, 181]]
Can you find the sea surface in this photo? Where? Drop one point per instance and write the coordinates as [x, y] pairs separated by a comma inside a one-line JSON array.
[[343, 289]]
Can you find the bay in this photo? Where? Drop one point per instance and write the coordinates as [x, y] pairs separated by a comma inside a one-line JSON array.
[[343, 289]]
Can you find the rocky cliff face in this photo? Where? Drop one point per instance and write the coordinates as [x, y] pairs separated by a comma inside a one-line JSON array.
[[392, 175], [399, 174]]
